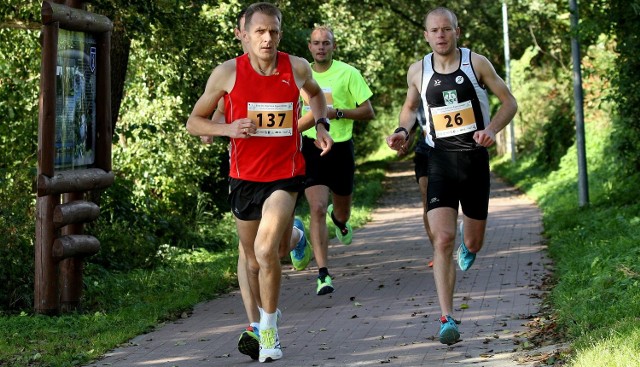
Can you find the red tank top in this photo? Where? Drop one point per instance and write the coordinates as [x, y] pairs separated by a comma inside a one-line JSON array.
[[274, 153]]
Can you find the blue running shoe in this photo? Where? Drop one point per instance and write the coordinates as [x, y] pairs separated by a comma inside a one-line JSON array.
[[449, 333], [465, 257], [301, 254]]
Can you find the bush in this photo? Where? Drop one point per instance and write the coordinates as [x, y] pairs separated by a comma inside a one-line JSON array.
[[17, 227], [135, 231], [558, 133]]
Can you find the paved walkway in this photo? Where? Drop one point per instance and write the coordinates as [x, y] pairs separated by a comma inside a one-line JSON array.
[[384, 309]]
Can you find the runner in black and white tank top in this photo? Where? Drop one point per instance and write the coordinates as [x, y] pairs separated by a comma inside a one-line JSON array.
[[457, 105]]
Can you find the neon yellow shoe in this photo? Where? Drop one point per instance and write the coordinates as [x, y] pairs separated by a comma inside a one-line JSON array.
[[270, 349], [325, 286], [344, 237], [249, 342]]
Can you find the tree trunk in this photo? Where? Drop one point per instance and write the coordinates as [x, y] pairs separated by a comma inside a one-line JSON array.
[[120, 49]]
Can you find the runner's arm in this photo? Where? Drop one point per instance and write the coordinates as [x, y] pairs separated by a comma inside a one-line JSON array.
[[508, 105]]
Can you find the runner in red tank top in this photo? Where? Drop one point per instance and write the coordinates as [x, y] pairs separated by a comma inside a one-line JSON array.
[[296, 245], [267, 175]]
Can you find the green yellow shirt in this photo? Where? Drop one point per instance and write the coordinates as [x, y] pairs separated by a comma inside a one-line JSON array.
[[345, 89]]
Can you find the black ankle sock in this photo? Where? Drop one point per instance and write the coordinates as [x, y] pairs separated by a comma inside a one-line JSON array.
[[322, 272], [340, 225]]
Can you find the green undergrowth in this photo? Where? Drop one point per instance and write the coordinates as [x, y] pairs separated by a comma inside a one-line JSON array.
[[119, 305], [596, 280]]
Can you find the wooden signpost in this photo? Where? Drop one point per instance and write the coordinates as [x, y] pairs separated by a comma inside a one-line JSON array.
[[74, 148]]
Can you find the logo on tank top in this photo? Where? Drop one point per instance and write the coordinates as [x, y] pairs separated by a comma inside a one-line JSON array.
[[450, 97], [459, 79], [437, 82]]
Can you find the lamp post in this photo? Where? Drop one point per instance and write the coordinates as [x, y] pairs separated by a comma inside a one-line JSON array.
[[583, 184], [507, 68]]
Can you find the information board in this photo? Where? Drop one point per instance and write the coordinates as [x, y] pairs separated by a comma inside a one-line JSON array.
[[75, 100]]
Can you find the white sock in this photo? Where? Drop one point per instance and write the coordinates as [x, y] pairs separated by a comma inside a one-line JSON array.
[[268, 321], [255, 325]]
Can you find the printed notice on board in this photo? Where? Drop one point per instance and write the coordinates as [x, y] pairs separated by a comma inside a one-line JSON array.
[[75, 100]]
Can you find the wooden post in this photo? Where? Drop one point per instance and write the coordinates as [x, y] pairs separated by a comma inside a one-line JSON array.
[[45, 287], [104, 131], [60, 244], [70, 269]]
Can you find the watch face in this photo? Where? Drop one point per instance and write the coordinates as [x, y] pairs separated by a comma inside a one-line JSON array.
[[340, 114]]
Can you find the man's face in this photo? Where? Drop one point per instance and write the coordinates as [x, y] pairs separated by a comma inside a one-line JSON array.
[[321, 46], [441, 34], [263, 35]]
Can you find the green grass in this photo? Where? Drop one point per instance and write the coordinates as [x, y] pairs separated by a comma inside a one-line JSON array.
[[120, 306], [596, 293]]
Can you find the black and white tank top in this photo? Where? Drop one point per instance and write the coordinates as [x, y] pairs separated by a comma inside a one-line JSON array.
[[456, 105]]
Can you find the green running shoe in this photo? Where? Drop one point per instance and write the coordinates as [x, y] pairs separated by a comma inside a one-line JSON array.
[[249, 342], [301, 254], [344, 237], [325, 285]]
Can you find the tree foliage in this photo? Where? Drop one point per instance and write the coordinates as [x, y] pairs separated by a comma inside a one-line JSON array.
[[625, 16]]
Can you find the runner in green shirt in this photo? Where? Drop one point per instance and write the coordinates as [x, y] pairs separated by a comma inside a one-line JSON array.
[[347, 96]]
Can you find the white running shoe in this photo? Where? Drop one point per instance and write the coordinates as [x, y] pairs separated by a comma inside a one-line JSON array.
[[270, 349]]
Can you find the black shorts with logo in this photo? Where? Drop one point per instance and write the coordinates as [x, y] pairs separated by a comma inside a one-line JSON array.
[[247, 197], [459, 178]]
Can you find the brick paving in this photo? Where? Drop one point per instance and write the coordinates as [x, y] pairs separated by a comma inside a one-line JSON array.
[[384, 309]]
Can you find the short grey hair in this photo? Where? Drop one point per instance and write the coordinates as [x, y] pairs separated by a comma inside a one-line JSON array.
[[442, 11], [325, 28], [264, 8]]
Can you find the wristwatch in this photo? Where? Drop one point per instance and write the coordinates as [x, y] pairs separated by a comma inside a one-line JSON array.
[[324, 121], [339, 114], [406, 137]]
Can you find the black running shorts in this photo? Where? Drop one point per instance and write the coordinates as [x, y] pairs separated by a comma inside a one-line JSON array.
[[335, 170], [247, 197], [421, 165], [459, 178]]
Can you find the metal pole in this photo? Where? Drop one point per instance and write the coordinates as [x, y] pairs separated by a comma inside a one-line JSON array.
[[507, 65], [583, 184]]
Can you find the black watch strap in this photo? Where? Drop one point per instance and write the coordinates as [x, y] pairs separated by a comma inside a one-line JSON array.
[[324, 121], [405, 131]]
